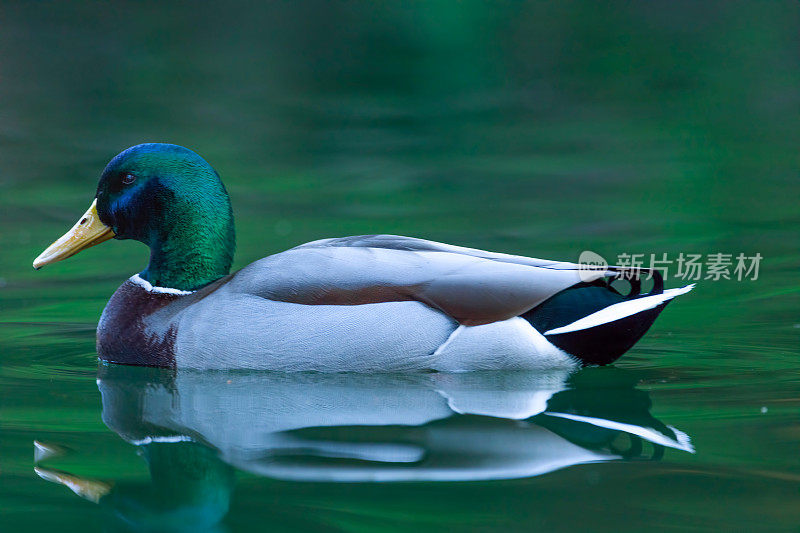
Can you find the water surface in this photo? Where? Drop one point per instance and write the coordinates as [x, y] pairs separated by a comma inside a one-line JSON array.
[[532, 129]]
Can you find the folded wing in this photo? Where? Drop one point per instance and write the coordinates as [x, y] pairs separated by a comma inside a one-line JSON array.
[[472, 286]]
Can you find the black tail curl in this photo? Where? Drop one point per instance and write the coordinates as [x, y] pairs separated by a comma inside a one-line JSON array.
[[604, 343]]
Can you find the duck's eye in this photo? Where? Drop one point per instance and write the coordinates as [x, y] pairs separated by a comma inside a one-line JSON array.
[[127, 179]]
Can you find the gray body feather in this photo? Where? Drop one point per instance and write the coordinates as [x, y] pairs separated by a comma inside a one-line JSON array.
[[369, 303]]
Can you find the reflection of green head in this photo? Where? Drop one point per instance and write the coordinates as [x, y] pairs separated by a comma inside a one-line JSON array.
[[189, 489]]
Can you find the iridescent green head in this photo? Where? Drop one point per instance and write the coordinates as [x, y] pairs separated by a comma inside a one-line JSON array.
[[169, 198]]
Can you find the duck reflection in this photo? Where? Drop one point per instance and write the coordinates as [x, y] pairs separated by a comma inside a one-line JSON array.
[[195, 428]]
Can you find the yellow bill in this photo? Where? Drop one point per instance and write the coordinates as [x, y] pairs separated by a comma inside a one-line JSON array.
[[87, 232]]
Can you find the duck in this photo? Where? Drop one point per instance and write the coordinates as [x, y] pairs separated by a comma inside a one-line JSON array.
[[367, 303]]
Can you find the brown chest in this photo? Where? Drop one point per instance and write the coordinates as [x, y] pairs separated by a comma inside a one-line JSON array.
[[126, 333]]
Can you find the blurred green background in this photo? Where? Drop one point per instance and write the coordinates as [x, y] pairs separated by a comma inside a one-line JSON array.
[[543, 129]]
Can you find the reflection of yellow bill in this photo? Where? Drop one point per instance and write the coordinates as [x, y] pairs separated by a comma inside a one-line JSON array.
[[87, 232], [89, 489], [42, 451]]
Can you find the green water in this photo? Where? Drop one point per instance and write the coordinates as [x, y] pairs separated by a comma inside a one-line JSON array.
[[544, 130]]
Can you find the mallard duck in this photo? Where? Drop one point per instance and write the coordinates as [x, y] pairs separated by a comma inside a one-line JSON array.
[[371, 303]]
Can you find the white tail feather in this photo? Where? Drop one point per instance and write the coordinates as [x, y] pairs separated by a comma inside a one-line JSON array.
[[621, 310]]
